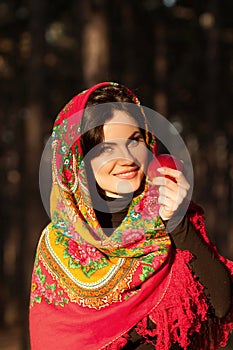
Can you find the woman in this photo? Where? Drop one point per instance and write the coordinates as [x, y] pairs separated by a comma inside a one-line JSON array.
[[107, 274]]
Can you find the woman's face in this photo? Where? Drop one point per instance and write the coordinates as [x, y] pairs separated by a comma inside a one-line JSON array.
[[121, 159]]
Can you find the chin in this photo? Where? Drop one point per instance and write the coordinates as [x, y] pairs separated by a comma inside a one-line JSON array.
[[127, 187]]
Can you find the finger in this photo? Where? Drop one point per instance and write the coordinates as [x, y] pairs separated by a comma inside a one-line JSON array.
[[171, 199], [164, 213], [167, 184], [182, 182], [164, 181], [167, 192], [170, 172], [176, 174], [166, 202], [175, 194]]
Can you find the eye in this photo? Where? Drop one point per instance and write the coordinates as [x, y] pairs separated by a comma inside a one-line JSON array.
[[135, 141], [105, 149]]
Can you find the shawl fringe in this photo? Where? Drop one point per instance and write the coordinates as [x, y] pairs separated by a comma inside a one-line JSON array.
[[181, 312], [183, 315], [117, 344]]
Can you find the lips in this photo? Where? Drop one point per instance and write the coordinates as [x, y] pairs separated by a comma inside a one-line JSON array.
[[128, 174]]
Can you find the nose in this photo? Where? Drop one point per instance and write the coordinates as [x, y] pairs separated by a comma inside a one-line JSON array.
[[124, 155]]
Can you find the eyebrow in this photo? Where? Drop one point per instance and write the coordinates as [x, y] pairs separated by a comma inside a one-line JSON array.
[[135, 133], [129, 138]]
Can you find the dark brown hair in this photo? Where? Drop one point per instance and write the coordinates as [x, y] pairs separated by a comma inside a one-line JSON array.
[[107, 100]]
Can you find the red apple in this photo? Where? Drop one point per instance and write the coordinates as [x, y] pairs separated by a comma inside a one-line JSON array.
[[163, 160]]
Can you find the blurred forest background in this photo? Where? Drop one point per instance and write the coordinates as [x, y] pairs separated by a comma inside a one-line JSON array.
[[178, 57]]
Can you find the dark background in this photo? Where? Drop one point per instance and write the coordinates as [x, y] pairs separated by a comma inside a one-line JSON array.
[[176, 55]]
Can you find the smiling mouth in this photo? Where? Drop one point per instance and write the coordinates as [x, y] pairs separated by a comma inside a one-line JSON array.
[[127, 174]]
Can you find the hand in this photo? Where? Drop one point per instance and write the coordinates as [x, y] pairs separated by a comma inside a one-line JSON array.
[[171, 193]]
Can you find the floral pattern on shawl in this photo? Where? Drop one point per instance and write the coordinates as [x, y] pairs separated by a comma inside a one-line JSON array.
[[74, 244], [78, 267]]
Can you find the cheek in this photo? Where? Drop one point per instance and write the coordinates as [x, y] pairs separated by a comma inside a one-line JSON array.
[[96, 168], [100, 168], [141, 154]]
